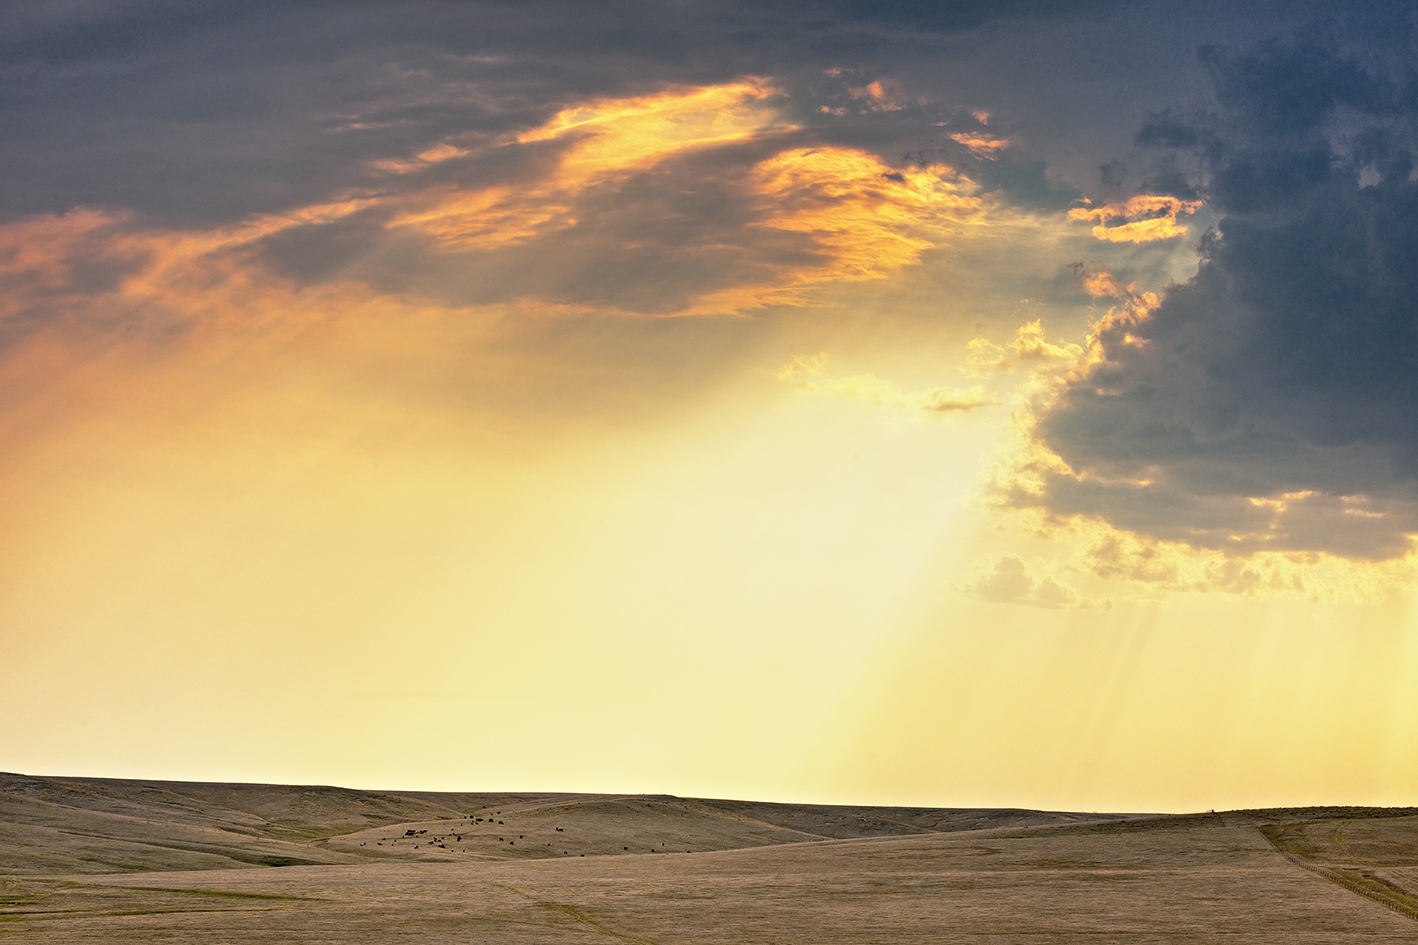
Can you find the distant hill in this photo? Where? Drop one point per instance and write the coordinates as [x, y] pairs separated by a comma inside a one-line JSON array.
[[105, 825], [112, 861]]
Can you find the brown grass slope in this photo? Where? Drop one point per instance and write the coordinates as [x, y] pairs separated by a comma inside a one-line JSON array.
[[1190, 884], [100, 860], [97, 825]]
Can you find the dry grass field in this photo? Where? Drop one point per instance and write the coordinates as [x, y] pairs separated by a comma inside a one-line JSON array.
[[88, 860]]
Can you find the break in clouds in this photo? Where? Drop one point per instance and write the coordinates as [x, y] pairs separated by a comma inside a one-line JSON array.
[[1269, 403]]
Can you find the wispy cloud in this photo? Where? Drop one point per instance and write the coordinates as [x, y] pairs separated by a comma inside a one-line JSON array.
[[809, 373], [979, 143]]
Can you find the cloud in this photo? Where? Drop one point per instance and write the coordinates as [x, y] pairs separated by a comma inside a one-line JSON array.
[[1139, 219], [90, 273], [1028, 348], [1268, 404], [1030, 345], [668, 160], [949, 400], [809, 373], [979, 143], [1100, 283], [1010, 582], [694, 202], [875, 97], [685, 201], [983, 357], [1178, 566], [202, 114]]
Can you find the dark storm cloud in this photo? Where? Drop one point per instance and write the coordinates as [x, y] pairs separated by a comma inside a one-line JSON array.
[[202, 113], [200, 117], [194, 117], [1270, 403]]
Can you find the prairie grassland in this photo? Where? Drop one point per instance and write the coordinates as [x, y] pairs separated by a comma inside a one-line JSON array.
[[756, 873]]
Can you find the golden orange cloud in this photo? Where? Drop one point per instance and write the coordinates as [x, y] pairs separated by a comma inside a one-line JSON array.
[[1100, 283], [609, 138], [434, 155], [870, 218], [1141, 219], [865, 218], [980, 144]]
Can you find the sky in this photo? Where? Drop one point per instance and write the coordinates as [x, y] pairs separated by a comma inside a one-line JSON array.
[[998, 404]]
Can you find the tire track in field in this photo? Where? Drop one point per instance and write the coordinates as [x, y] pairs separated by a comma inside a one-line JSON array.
[[1355, 879], [576, 915]]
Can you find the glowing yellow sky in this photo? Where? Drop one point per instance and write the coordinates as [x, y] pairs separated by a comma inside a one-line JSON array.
[[735, 541]]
